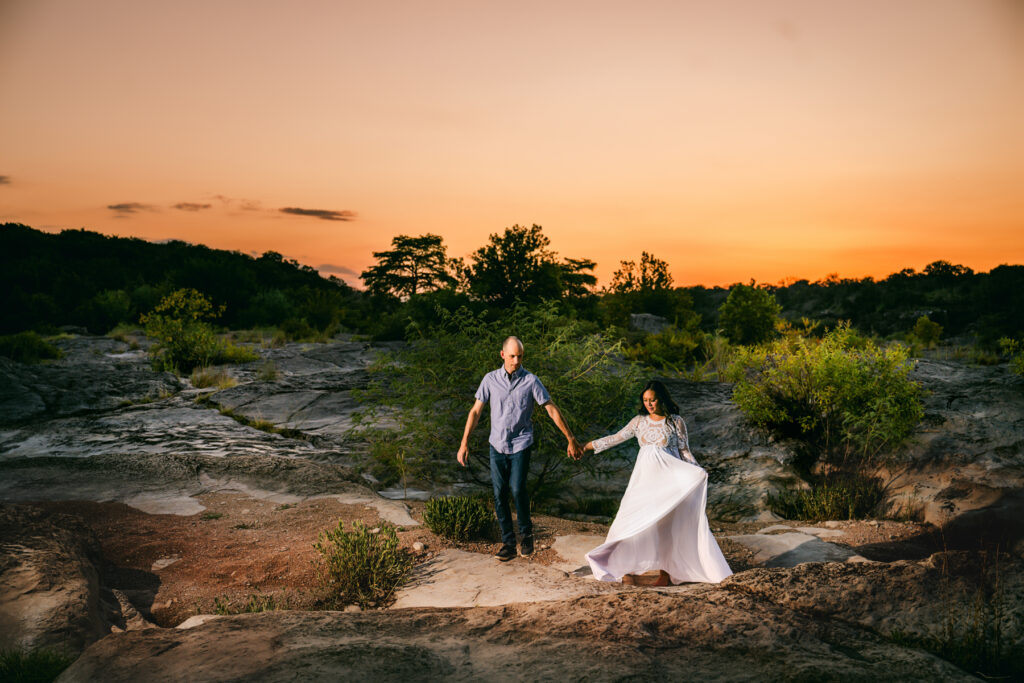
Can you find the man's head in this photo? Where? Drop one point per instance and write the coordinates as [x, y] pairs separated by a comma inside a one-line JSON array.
[[512, 354]]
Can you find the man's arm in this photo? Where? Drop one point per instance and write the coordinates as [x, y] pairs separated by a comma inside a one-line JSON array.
[[575, 450], [471, 420]]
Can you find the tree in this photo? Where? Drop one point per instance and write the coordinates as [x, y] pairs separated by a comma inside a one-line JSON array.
[[413, 265], [748, 315], [651, 275], [518, 265]]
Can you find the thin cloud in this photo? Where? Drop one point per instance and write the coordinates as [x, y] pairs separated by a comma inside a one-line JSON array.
[[127, 208], [322, 214], [331, 268], [189, 206], [5, 180], [250, 204]]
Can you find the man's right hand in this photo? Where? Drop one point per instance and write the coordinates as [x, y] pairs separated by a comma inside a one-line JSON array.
[[463, 455]]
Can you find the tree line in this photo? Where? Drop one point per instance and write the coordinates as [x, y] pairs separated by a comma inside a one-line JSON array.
[[82, 278]]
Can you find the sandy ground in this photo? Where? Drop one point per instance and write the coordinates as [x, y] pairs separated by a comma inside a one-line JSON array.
[[177, 566]]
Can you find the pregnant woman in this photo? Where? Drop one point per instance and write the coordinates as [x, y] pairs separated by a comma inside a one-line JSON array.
[[661, 524]]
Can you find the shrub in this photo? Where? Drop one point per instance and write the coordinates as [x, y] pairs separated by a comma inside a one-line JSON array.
[[267, 371], [926, 331], [670, 349], [184, 336], [460, 518], [360, 566], [1014, 348], [27, 347], [845, 397], [843, 498], [748, 315], [418, 397], [38, 666]]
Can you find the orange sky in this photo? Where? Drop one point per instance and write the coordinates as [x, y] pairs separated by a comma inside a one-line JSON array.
[[733, 139]]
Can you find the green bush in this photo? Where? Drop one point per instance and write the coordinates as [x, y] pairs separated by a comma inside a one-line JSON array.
[[844, 498], [670, 349], [926, 331], [1014, 348], [460, 518], [185, 339], [361, 566], [423, 392], [32, 666], [846, 398], [27, 347]]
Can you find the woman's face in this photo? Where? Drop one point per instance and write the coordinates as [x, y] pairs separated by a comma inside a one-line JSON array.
[[652, 403]]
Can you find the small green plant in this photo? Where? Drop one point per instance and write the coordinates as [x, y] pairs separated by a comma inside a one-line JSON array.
[[27, 347], [849, 497], [285, 506], [244, 525], [40, 665], [256, 602], [267, 371], [208, 515], [360, 566], [203, 378], [460, 518]]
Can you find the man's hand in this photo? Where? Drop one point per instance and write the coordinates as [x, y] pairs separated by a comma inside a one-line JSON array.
[[463, 455], [575, 449]]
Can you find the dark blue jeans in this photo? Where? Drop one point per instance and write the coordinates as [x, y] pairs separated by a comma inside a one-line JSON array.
[[508, 474]]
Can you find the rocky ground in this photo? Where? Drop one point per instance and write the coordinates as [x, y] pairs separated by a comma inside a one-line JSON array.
[[134, 504]]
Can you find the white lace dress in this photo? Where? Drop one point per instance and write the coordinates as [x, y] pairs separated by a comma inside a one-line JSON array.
[[661, 523]]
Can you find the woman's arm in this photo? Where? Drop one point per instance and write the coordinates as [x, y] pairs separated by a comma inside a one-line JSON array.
[[684, 440], [606, 442]]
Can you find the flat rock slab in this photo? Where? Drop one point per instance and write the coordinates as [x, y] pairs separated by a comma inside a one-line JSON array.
[[811, 530], [455, 578], [791, 549], [572, 550]]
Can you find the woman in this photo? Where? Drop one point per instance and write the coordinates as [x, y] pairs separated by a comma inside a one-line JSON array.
[[661, 523]]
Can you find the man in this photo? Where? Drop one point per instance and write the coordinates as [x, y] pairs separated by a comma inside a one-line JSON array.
[[512, 391]]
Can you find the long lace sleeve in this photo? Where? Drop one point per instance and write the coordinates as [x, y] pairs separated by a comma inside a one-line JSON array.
[[684, 440], [627, 433]]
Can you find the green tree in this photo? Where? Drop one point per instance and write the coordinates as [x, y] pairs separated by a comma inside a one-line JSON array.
[[749, 314], [518, 265], [413, 265], [647, 288], [926, 331]]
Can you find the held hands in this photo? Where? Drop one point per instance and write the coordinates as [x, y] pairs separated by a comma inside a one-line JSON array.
[[574, 450]]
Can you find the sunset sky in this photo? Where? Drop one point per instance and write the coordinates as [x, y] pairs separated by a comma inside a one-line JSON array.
[[735, 139]]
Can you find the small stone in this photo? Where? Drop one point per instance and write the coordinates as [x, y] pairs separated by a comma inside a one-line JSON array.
[[419, 546], [873, 522], [545, 547], [352, 608], [375, 530]]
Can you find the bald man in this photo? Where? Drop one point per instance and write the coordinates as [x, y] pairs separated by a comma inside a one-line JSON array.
[[512, 393]]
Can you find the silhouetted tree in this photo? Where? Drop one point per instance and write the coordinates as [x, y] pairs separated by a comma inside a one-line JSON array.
[[412, 266]]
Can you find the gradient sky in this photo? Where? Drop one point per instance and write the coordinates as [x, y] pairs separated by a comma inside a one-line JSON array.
[[734, 139]]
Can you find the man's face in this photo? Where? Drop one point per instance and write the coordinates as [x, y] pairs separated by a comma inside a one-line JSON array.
[[512, 354]]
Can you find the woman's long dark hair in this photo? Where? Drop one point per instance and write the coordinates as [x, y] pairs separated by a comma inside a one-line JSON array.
[[667, 404]]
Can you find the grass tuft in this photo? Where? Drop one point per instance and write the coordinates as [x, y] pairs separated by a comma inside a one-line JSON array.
[[40, 665], [360, 566], [849, 497], [459, 518]]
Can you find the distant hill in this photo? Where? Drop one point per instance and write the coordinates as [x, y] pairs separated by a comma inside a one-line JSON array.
[[78, 277]]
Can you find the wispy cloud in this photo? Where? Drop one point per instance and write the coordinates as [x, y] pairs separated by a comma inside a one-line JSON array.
[[331, 268], [322, 214], [243, 204], [189, 206], [127, 208], [5, 180]]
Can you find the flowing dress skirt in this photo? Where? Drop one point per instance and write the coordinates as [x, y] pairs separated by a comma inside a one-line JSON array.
[[661, 524]]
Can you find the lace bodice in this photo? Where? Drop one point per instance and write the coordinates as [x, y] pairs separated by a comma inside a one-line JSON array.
[[669, 433]]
